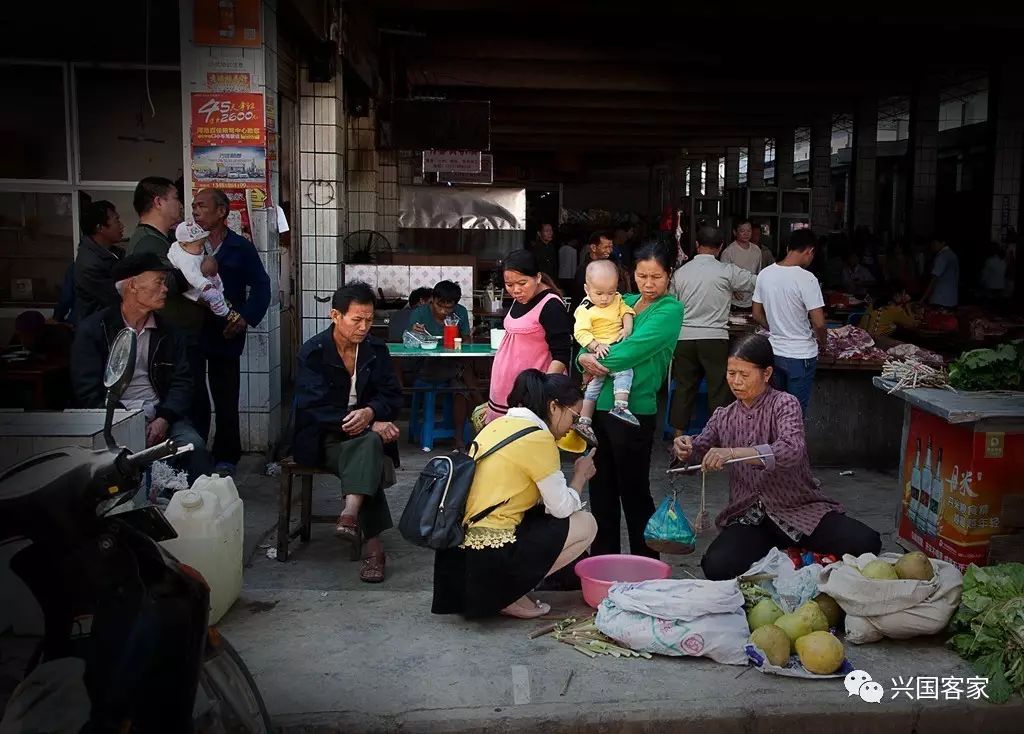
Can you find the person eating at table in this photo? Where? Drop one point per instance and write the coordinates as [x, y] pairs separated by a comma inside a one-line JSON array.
[[429, 318], [774, 501], [538, 329]]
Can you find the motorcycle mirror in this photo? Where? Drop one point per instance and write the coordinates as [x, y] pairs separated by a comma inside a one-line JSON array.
[[118, 373]]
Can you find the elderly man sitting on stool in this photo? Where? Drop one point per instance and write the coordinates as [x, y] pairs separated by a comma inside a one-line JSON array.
[[347, 396], [162, 383]]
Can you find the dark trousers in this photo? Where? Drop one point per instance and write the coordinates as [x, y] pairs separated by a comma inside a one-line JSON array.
[[694, 360], [200, 413], [738, 547], [225, 382], [359, 463], [623, 479]]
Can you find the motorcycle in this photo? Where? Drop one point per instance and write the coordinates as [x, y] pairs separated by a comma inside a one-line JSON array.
[[126, 624]]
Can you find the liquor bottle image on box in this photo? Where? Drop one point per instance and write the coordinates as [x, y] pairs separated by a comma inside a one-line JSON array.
[[935, 499], [915, 486], [925, 490]]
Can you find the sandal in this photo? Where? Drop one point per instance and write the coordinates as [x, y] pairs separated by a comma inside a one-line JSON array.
[[347, 530], [519, 612], [372, 571]]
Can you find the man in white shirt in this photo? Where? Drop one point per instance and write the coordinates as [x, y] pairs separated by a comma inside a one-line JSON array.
[[944, 287], [745, 254], [568, 261], [705, 287], [788, 302]]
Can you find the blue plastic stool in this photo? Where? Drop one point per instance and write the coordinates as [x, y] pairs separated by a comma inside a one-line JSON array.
[[423, 426], [700, 415]]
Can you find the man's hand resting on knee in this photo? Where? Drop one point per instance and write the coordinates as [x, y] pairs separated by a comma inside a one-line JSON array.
[[387, 431]]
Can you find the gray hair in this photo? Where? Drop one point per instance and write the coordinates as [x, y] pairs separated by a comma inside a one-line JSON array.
[[219, 199]]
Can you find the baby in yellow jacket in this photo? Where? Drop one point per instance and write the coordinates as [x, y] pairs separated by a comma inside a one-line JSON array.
[[601, 320]]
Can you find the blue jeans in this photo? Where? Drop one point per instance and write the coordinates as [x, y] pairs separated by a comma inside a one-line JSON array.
[[795, 376], [622, 382]]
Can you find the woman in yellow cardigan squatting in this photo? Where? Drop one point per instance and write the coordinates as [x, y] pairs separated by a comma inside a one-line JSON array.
[[538, 525]]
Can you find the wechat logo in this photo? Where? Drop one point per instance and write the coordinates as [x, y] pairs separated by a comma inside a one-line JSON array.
[[859, 683]]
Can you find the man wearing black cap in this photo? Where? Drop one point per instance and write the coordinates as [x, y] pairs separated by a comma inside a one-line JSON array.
[[162, 383]]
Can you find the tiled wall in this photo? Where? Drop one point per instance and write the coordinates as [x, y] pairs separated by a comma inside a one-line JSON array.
[[259, 397], [821, 174], [865, 145], [1009, 121], [924, 138], [401, 280], [323, 203], [362, 174], [387, 195]]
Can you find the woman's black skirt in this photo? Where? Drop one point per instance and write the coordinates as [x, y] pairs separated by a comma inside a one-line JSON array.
[[479, 583]]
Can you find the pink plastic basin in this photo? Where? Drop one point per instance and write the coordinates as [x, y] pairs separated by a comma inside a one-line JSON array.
[[598, 573]]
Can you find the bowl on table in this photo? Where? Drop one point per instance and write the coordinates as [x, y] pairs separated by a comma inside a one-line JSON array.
[[428, 344], [598, 573]]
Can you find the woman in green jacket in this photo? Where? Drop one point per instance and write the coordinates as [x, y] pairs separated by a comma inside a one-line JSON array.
[[624, 459]]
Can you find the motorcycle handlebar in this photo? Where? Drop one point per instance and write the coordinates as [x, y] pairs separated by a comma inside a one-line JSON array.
[[146, 457]]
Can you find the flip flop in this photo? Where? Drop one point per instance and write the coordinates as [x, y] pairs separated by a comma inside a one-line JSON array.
[[372, 571], [520, 613], [347, 530]]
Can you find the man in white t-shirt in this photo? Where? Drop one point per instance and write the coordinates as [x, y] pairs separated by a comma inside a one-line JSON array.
[[744, 254], [944, 286], [788, 302]]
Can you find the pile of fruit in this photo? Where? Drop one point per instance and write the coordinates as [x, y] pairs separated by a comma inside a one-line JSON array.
[[804, 632], [914, 565]]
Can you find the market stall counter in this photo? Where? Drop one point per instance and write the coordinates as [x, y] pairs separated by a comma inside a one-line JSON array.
[[961, 463]]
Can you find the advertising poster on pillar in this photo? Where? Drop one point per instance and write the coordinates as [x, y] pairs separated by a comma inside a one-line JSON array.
[[226, 23], [229, 118], [229, 167], [953, 480]]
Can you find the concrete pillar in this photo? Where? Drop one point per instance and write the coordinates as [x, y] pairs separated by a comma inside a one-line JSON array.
[[260, 391], [924, 152], [865, 143], [821, 174], [784, 145], [695, 188], [711, 183], [732, 168], [1006, 115], [755, 163]]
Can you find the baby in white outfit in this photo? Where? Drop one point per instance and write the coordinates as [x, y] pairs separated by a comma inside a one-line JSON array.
[[188, 254]]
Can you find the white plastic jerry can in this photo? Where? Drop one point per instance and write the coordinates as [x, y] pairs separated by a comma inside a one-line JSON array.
[[209, 521]]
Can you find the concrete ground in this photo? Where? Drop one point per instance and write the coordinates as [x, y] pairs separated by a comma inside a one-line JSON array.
[[332, 654]]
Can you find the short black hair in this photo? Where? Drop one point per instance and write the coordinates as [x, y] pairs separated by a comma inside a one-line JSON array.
[[661, 252], [521, 261], [535, 390], [420, 295], [95, 215], [708, 236], [447, 292], [596, 237], [354, 292], [802, 240], [148, 189], [741, 221], [754, 348]]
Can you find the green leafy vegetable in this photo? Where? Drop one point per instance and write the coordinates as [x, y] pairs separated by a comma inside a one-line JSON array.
[[989, 627], [1001, 368]]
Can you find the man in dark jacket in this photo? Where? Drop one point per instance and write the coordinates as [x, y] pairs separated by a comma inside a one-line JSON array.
[[349, 427], [97, 253], [247, 289], [161, 385]]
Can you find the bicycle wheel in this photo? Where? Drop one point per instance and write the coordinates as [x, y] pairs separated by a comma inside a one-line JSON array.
[[227, 682]]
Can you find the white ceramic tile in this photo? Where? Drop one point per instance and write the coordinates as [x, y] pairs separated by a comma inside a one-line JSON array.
[[327, 222], [327, 249], [307, 105], [275, 348], [306, 138], [463, 275], [308, 245], [243, 362], [258, 430], [327, 277], [365, 273], [308, 280], [326, 138], [274, 426], [307, 166], [308, 221], [243, 431], [423, 276], [310, 328], [393, 280], [259, 392], [468, 304], [258, 345]]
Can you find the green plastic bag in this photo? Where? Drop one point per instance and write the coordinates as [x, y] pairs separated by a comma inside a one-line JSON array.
[[668, 530]]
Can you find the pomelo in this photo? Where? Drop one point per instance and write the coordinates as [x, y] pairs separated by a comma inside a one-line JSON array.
[[774, 642], [814, 616], [915, 565], [833, 612], [879, 570], [794, 626], [820, 652], [764, 612]]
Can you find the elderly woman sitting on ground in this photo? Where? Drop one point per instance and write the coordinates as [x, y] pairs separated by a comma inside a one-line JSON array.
[[346, 397], [529, 521], [774, 501]]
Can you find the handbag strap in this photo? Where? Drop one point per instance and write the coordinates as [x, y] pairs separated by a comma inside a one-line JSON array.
[[500, 445]]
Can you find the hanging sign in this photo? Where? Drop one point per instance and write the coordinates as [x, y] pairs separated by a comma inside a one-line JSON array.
[[451, 161]]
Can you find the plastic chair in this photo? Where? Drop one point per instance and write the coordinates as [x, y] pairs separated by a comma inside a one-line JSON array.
[[423, 425]]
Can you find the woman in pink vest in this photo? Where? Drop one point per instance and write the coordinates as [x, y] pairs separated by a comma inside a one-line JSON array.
[[538, 329]]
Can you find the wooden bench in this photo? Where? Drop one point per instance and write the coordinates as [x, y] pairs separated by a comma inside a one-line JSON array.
[[289, 470]]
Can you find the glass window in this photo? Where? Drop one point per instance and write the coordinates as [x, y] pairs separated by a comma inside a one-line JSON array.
[[120, 137], [33, 126], [35, 246]]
